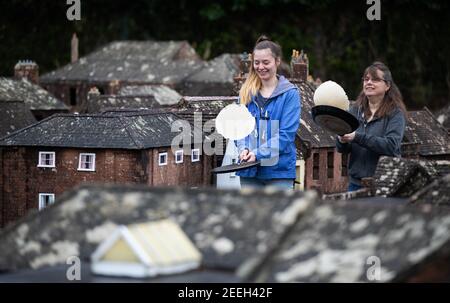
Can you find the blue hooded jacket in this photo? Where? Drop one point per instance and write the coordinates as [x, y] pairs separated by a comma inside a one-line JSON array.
[[273, 139]]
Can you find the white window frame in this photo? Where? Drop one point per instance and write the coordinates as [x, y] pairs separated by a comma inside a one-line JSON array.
[[178, 152], [93, 162], [41, 200], [41, 153], [192, 155], [159, 159]]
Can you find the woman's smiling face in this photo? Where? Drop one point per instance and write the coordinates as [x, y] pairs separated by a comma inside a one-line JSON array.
[[265, 64], [375, 85]]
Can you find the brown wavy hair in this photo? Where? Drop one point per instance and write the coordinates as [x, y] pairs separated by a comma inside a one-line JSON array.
[[253, 84], [392, 99]]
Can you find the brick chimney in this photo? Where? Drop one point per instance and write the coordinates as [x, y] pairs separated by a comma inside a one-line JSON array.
[[74, 49], [27, 69], [244, 69], [300, 65]]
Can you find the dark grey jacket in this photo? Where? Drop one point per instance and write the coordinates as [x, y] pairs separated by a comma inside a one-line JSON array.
[[381, 136]]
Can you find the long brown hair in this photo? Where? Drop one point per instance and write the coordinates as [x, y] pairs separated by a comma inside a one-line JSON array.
[[392, 99], [253, 83]]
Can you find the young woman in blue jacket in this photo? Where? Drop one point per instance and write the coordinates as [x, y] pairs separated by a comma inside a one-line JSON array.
[[275, 104], [382, 117]]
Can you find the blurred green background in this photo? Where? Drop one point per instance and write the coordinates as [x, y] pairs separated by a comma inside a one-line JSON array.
[[412, 37]]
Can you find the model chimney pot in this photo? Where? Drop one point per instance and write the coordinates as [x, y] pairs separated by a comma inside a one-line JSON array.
[[300, 66], [74, 49], [27, 69]]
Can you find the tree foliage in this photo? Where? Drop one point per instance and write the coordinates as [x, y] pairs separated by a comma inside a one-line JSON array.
[[412, 36]]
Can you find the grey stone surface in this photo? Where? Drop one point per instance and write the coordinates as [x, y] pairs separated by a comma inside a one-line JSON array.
[[168, 62], [123, 130], [228, 227], [340, 241], [33, 95], [423, 128], [15, 115]]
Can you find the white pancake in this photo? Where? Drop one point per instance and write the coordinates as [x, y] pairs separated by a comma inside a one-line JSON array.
[[332, 94], [235, 122]]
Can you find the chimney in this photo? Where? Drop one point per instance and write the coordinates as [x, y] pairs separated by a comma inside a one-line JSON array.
[[74, 49], [27, 69], [244, 69], [300, 65]]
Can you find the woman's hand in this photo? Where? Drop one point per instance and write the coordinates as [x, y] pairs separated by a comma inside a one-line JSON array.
[[347, 138], [247, 156]]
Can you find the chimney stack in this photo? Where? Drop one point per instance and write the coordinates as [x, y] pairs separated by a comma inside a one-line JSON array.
[[27, 69], [244, 69], [300, 65], [74, 49]]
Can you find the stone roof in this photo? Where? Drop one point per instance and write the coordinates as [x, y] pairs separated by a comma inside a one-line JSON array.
[[103, 103], [309, 130], [15, 115], [240, 233], [423, 128], [401, 177], [164, 95], [437, 193], [216, 78], [208, 106], [151, 62], [340, 241], [443, 116], [221, 69], [227, 227], [33, 95], [120, 130]]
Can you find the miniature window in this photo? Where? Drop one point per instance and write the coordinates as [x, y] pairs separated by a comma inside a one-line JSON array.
[[316, 159], [344, 170], [330, 164], [86, 162], [46, 159], [73, 96], [45, 200], [162, 159], [195, 155], [179, 156]]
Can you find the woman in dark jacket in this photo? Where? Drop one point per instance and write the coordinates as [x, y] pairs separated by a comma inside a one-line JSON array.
[[382, 115]]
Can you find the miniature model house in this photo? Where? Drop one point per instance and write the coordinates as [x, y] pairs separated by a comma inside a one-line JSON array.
[[146, 250]]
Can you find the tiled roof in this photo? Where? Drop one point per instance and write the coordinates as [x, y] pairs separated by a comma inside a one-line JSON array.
[[121, 130], [208, 106], [157, 62], [244, 233], [401, 177], [309, 130], [436, 193], [443, 116], [34, 96], [15, 115], [221, 69], [424, 129], [340, 241], [226, 226], [163, 95], [103, 103]]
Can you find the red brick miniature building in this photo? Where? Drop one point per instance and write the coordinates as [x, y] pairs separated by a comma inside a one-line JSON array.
[[46, 159]]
